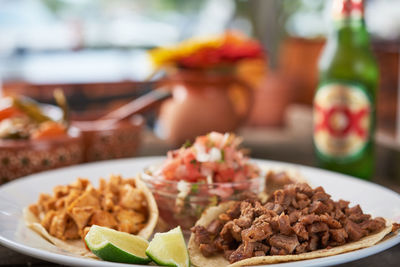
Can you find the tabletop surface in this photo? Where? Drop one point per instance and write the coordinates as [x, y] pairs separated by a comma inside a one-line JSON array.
[[273, 145]]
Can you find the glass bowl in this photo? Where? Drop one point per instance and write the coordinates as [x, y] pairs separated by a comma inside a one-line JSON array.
[[182, 203]]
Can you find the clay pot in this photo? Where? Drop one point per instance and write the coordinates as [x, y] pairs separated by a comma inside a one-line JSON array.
[[272, 97], [22, 157], [104, 140], [203, 101]]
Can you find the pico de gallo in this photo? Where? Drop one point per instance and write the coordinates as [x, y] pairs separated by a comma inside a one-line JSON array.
[[211, 170], [22, 118], [212, 158]]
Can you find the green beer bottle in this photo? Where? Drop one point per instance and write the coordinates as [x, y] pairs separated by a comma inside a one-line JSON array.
[[344, 102]]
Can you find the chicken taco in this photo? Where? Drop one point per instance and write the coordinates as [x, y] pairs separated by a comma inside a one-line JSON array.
[[295, 223], [65, 217]]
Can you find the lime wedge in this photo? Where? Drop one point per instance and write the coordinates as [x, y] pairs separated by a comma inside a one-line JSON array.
[[169, 249], [112, 245]]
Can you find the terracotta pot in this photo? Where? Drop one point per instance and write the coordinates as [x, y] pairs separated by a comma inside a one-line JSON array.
[[272, 97], [22, 157], [202, 102], [298, 60], [116, 140]]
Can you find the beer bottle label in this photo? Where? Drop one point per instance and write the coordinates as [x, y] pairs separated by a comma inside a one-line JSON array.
[[342, 121]]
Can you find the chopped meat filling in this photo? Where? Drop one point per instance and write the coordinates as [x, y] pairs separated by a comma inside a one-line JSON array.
[[117, 204], [294, 220]]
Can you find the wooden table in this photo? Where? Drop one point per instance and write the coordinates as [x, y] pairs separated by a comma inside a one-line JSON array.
[[293, 144]]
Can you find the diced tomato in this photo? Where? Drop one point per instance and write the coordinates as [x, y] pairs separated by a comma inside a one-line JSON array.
[[193, 173], [224, 191], [188, 157], [180, 173], [229, 155], [170, 168], [226, 175], [210, 166], [240, 176]]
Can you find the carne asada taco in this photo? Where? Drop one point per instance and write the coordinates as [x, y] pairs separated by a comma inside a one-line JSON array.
[[65, 217], [296, 223]]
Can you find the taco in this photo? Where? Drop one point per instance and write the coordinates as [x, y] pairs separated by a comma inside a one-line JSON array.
[[295, 223], [65, 217]]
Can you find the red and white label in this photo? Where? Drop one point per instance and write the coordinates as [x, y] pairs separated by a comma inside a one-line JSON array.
[[342, 120]]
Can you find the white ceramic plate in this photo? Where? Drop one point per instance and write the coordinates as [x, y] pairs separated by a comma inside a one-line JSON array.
[[16, 195]]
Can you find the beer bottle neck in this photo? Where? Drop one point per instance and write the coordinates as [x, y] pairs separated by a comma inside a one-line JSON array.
[[349, 23]]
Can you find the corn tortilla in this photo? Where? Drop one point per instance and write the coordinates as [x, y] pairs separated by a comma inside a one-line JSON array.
[[197, 258], [77, 246]]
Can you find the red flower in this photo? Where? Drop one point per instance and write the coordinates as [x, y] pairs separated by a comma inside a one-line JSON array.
[[228, 53], [234, 46], [203, 58], [234, 52]]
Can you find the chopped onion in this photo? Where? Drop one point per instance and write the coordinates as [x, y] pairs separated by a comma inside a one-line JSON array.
[[215, 154]]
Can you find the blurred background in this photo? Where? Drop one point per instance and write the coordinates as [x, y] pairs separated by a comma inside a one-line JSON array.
[[95, 50]]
